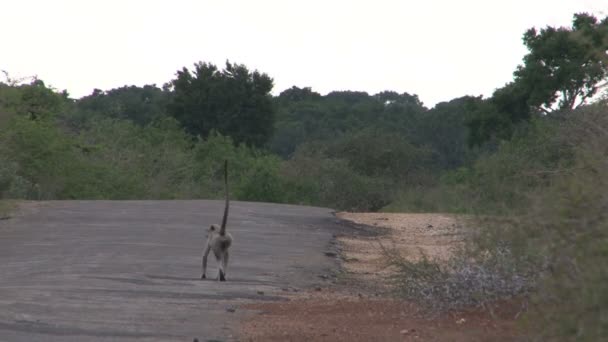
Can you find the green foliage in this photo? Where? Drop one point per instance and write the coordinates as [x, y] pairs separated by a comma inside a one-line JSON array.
[[498, 116], [443, 129], [6, 208], [561, 235], [441, 198], [497, 182], [33, 100], [262, 181], [304, 116], [142, 162], [48, 164], [564, 64], [546, 242], [141, 105], [379, 154], [563, 69], [254, 175], [12, 185], [233, 101], [316, 179]]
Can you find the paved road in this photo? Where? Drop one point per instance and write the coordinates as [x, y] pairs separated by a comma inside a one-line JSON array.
[[129, 270]]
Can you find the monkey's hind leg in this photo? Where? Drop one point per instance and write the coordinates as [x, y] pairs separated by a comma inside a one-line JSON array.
[[205, 254], [224, 266]]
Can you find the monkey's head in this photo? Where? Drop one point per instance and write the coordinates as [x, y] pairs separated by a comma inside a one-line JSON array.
[[214, 228]]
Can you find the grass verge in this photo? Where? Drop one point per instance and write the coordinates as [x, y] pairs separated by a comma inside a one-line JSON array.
[[6, 208]]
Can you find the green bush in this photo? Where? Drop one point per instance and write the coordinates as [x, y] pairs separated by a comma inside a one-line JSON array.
[[44, 156], [151, 162], [11, 184], [561, 237], [333, 183], [546, 240], [262, 181], [500, 182], [569, 224], [441, 198]]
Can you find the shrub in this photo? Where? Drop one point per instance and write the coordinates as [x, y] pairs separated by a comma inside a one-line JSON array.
[[460, 282], [331, 182], [562, 235]]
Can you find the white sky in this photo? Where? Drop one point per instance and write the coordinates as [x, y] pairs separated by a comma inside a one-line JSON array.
[[438, 49]]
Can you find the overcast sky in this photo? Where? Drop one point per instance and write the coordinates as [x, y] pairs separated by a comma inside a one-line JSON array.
[[438, 49]]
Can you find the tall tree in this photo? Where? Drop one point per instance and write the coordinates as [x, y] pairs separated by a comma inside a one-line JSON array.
[[564, 68], [233, 101]]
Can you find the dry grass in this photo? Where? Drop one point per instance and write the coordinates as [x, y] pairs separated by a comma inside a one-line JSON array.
[[6, 208], [422, 258], [435, 236]]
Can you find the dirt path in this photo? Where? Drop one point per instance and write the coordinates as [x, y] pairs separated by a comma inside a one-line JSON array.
[[359, 308]]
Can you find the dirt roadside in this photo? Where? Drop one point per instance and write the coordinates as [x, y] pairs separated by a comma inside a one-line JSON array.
[[358, 307]]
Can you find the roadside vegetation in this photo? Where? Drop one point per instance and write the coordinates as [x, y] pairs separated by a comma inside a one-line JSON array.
[[6, 207], [528, 165]]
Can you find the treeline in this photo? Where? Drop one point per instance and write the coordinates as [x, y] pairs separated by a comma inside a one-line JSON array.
[[347, 150]]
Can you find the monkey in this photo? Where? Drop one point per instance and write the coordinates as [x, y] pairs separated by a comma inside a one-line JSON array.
[[218, 240]]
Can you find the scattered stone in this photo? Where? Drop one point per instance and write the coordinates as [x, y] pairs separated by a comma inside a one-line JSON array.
[[430, 226], [331, 254], [318, 288], [323, 276], [261, 293], [461, 321], [284, 289], [404, 331], [230, 309]]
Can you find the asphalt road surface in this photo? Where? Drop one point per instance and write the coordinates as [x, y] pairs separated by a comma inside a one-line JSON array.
[[130, 270]]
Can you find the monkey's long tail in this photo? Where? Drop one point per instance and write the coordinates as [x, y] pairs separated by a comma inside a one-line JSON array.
[[225, 218]]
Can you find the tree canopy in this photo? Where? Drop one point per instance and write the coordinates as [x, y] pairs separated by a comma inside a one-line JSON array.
[[141, 105], [233, 101], [563, 69], [564, 66]]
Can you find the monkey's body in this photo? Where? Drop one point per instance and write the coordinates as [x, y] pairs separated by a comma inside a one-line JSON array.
[[218, 240], [219, 245]]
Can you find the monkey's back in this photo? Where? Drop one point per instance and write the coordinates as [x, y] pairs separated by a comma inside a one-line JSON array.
[[221, 243]]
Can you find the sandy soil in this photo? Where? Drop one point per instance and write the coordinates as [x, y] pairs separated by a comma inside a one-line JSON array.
[[334, 317], [357, 309], [410, 235]]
